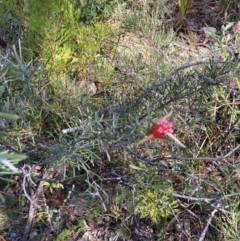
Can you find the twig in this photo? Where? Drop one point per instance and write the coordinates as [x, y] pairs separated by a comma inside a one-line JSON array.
[[33, 205], [139, 156], [199, 199], [208, 201], [209, 222], [2, 238], [212, 159], [27, 181], [231, 152]]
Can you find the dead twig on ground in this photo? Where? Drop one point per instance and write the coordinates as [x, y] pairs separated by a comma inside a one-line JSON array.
[[27, 171], [203, 234]]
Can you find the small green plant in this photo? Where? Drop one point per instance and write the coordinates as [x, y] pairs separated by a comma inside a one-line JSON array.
[[229, 222], [223, 38], [96, 10], [152, 198], [183, 6], [52, 185], [157, 205]]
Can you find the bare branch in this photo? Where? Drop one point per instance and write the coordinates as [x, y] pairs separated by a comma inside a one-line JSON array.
[[209, 222]]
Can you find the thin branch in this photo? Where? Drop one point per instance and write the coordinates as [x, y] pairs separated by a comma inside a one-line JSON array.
[[231, 152], [198, 199], [139, 156], [27, 181], [33, 205], [212, 159], [209, 222]]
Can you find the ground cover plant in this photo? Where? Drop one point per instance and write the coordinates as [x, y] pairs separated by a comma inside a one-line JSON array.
[[85, 81]]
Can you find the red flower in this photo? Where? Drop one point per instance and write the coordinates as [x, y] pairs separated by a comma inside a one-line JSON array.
[[162, 129]]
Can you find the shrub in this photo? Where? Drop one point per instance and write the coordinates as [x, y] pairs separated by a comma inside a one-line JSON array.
[[52, 33]]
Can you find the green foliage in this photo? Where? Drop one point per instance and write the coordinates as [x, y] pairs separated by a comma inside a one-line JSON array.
[[72, 228], [52, 32], [62, 55], [96, 10], [51, 186], [229, 222], [152, 197], [223, 38], [183, 6], [8, 116], [63, 235], [157, 205], [8, 160]]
